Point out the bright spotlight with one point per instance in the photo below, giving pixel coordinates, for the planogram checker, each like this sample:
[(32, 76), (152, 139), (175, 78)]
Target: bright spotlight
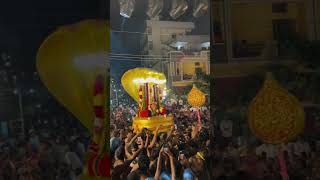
[(178, 8), (155, 8), (200, 7), (127, 7)]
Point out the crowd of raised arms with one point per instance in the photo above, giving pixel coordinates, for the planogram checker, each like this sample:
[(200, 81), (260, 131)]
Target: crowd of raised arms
[(189, 151), (181, 153)]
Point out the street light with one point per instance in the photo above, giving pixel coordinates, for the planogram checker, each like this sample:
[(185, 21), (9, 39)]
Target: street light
[(179, 7)]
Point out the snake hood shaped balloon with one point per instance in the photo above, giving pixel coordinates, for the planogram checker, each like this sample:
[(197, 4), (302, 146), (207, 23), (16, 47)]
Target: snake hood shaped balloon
[(72, 63)]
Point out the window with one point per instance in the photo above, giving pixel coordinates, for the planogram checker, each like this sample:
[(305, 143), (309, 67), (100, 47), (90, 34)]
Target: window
[(149, 30), (150, 44), (280, 7)]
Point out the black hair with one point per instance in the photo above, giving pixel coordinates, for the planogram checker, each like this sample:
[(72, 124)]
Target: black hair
[(154, 153), (133, 146), (143, 162), (119, 153), (134, 176)]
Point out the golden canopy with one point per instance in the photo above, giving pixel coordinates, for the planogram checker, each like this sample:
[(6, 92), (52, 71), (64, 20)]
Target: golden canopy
[(132, 79)]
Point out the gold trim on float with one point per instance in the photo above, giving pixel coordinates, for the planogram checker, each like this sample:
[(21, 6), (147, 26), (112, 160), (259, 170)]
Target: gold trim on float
[(152, 123)]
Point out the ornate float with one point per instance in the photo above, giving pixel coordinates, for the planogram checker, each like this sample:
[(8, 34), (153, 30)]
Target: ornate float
[(147, 88)]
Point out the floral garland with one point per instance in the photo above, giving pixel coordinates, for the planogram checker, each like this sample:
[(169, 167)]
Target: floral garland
[(140, 100), (99, 162), (149, 96), (161, 108)]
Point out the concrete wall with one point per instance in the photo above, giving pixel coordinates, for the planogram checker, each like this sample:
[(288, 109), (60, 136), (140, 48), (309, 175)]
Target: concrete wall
[(253, 21)]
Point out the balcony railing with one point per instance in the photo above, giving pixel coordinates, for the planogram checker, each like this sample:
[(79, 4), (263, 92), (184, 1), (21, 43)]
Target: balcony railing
[(268, 51)]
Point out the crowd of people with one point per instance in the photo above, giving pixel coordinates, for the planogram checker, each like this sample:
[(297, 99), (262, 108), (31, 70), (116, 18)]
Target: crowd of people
[(262, 161), (189, 151), (54, 154), (181, 153)]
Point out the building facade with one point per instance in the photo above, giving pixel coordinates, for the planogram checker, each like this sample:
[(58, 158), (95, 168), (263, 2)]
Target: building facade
[(256, 32), (250, 35), (176, 52)]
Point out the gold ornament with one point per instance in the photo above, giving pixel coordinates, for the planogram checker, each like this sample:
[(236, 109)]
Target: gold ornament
[(152, 123), (275, 116), (132, 79), (131, 82), (68, 63), (196, 98)]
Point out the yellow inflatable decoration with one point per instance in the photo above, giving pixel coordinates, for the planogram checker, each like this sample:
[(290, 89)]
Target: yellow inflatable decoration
[(72, 63), (196, 98), (147, 88), (275, 116)]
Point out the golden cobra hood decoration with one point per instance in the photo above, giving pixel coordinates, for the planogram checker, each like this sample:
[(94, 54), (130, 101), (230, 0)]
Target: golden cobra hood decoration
[(132, 82), (275, 116), (69, 62)]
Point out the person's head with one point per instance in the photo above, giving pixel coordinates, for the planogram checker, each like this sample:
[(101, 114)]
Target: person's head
[(197, 165), (154, 154), (122, 134), (143, 162), (183, 158), (115, 133), (135, 175), (119, 153), (163, 136), (133, 147)]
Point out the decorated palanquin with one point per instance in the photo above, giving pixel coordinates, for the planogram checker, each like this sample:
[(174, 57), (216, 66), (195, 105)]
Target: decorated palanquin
[(72, 63), (147, 88), (275, 115)]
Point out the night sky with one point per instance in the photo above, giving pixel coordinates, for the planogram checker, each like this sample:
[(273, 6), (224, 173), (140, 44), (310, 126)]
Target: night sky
[(24, 25)]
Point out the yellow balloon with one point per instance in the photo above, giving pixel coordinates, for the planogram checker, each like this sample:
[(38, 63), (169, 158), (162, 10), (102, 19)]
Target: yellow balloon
[(132, 79), (69, 61)]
